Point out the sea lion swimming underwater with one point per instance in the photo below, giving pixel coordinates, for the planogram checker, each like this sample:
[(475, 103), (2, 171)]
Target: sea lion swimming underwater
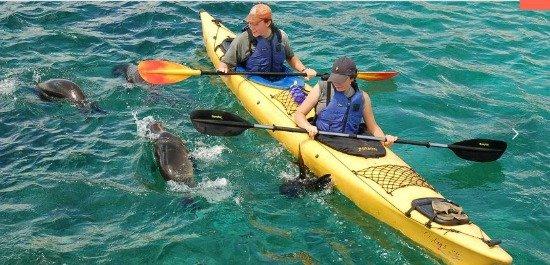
[(129, 72), (59, 89), (299, 186), (172, 156)]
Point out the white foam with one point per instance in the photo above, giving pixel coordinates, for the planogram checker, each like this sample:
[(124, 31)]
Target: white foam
[(143, 127), (8, 207), (274, 152), (208, 153), (288, 175), (128, 85), (213, 191), (217, 183), (178, 187), (238, 200), (7, 86), (291, 172), (36, 76)]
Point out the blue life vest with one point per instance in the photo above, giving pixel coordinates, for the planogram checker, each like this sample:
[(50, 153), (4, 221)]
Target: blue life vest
[(342, 114), (269, 55)]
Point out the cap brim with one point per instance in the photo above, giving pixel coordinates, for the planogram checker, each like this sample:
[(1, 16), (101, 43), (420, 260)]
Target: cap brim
[(337, 78)]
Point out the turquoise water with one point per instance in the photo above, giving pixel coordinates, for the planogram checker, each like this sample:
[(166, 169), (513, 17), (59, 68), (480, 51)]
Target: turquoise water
[(77, 188)]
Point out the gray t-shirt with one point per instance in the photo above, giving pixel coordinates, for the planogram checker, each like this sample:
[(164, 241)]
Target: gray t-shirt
[(239, 49)]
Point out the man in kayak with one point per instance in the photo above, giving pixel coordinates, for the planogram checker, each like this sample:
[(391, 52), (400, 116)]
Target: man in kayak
[(342, 108), (262, 47)]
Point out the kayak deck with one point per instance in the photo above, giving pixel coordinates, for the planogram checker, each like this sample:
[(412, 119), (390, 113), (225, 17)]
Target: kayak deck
[(382, 187)]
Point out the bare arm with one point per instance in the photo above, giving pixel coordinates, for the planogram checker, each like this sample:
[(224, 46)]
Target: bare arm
[(307, 105), (296, 63), (368, 116), (299, 66), (293, 59), (372, 126)]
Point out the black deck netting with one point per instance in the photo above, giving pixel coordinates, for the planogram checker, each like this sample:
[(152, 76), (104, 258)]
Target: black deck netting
[(393, 177), (286, 99)]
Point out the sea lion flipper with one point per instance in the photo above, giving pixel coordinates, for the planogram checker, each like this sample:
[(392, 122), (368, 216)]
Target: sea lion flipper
[(94, 107), (292, 188), (297, 187)]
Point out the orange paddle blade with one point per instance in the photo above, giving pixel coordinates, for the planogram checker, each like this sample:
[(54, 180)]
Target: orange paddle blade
[(160, 72), (376, 76)]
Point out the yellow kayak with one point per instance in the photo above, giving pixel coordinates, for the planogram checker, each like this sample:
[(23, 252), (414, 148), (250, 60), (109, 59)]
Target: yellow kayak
[(382, 187)]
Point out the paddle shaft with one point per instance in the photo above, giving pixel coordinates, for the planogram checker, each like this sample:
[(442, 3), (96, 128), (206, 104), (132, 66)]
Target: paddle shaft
[(369, 76), (258, 73), (353, 136)]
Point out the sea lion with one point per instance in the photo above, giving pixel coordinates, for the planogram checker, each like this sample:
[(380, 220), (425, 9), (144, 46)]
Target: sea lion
[(62, 89), (172, 156), (297, 187), (129, 72)]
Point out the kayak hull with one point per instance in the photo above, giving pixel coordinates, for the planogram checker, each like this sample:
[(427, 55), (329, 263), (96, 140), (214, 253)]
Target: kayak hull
[(381, 187)]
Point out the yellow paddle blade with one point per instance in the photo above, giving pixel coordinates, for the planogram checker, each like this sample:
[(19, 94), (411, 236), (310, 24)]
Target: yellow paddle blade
[(376, 76), (160, 72)]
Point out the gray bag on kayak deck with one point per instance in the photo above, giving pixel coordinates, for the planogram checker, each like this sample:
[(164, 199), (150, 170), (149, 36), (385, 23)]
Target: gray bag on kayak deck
[(224, 45), (439, 210)]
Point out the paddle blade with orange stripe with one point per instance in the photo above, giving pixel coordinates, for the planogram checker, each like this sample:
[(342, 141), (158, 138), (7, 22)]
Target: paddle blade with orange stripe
[(160, 72), (376, 76)]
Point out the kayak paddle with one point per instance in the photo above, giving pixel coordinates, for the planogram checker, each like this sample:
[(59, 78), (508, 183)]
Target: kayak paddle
[(160, 72), (221, 123)]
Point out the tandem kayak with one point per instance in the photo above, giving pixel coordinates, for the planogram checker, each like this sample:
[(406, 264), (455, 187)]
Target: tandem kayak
[(385, 188)]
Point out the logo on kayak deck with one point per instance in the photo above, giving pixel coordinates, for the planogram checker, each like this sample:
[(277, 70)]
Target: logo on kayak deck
[(484, 144), (366, 148), (217, 117)]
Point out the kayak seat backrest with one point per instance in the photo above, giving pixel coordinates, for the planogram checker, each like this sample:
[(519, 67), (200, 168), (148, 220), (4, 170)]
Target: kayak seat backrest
[(354, 147), (224, 46), (439, 210)]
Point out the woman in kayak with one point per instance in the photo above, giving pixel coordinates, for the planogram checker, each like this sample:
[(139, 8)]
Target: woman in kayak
[(342, 108), (262, 47)]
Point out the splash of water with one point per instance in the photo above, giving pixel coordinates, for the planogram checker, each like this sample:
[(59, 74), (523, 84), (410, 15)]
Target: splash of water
[(288, 174), (208, 153), (143, 127), (238, 200), (36, 76), (7, 86), (213, 191)]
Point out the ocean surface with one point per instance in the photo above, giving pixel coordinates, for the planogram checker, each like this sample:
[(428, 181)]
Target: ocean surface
[(83, 188)]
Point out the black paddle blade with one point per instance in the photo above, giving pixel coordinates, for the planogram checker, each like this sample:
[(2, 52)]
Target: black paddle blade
[(218, 123), (479, 150)]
